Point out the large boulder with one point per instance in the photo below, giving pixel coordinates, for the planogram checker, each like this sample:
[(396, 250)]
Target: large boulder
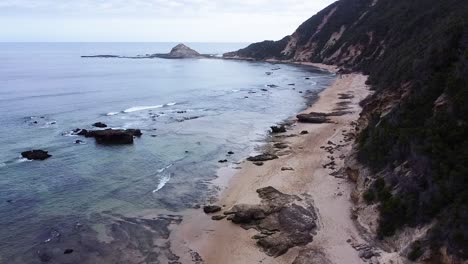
[(36, 154)]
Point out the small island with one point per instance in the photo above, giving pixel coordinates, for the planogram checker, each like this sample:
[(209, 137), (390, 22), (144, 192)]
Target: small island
[(180, 51)]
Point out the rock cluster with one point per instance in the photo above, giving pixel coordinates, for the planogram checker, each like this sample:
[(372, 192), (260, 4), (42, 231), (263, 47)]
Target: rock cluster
[(283, 221)]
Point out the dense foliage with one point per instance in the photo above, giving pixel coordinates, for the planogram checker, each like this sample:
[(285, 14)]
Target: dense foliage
[(428, 129), (262, 50)]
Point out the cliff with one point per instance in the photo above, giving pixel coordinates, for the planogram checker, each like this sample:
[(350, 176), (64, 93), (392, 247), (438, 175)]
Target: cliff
[(411, 155)]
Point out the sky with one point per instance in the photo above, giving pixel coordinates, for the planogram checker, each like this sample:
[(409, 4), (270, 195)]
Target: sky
[(153, 20)]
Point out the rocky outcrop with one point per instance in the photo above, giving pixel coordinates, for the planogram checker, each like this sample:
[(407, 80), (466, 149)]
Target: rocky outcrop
[(180, 51), (36, 154), (111, 136), (282, 220)]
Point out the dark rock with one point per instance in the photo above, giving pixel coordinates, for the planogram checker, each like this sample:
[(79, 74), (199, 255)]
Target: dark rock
[(278, 129), (78, 141), (272, 85), (287, 169), (99, 124), (223, 161), (209, 209), (258, 163), (218, 217), (262, 157), (304, 132), (36, 154), (68, 251), (312, 118), (112, 136), (291, 84), (265, 90), (230, 153)]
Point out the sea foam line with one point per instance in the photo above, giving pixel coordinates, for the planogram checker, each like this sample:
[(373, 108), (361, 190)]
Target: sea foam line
[(164, 179), (140, 108)]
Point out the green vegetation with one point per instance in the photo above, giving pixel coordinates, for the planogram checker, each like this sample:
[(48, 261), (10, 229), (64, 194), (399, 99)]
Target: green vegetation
[(416, 251)]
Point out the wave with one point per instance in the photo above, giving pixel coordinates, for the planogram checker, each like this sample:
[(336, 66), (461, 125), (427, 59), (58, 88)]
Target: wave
[(140, 108), (21, 160), (165, 168), (164, 178)]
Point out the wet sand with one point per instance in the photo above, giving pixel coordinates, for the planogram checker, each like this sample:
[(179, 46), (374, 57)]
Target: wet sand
[(198, 237)]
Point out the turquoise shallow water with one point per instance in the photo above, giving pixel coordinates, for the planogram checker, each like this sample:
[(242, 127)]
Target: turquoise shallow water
[(191, 113)]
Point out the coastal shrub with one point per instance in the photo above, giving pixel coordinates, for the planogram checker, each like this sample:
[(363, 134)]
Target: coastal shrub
[(369, 196), (416, 251)]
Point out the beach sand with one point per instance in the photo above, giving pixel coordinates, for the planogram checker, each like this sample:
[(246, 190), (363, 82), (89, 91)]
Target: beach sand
[(219, 242)]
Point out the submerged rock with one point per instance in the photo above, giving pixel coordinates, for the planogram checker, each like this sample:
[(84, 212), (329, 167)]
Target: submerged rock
[(36, 154)]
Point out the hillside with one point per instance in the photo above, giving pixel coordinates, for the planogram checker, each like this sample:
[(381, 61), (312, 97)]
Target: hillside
[(411, 158)]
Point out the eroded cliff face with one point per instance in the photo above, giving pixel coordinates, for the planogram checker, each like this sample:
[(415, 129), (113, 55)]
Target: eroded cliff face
[(410, 162)]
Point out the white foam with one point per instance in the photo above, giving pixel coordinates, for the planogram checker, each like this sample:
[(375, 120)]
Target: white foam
[(165, 179), (21, 159), (140, 108), (235, 90), (171, 104), (165, 168), (2, 164), (112, 113)]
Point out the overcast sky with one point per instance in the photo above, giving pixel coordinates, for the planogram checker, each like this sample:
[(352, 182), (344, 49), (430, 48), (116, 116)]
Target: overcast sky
[(153, 20)]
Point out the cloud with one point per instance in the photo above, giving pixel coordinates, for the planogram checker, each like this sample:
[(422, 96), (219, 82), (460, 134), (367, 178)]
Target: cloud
[(156, 20)]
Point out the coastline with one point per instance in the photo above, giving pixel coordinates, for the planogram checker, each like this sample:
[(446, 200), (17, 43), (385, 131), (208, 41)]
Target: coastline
[(225, 242)]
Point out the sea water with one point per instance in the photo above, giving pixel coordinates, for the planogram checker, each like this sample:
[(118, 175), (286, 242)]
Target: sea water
[(191, 113)]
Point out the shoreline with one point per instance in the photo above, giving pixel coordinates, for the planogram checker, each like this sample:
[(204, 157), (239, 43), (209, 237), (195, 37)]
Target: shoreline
[(225, 242)]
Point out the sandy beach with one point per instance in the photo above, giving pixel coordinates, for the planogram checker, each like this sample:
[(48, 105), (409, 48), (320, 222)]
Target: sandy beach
[(198, 237)]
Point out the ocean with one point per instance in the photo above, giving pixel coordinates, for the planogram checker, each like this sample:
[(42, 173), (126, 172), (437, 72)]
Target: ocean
[(191, 113)]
